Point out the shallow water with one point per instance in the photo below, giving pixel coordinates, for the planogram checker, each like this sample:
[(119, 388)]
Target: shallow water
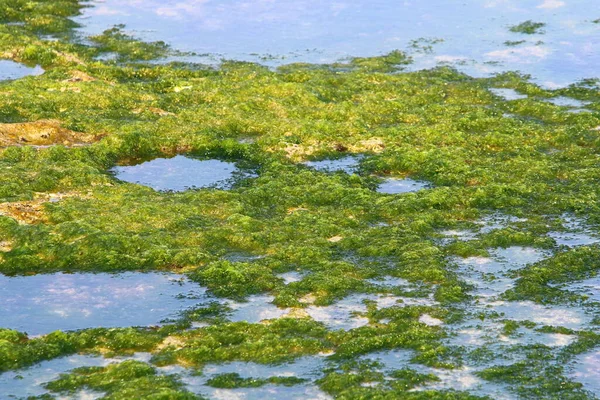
[(455, 379), (266, 392), (256, 309), (309, 368), (567, 317), (469, 34), (577, 233), (588, 287), (347, 313), (290, 277), (12, 70), (28, 381), (488, 274), (585, 370), (44, 303), (508, 94), (398, 186), (567, 102), (347, 164), (178, 173), (496, 221)]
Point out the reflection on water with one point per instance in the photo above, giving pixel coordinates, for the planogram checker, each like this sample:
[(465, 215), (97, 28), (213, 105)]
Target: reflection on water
[(585, 370), (397, 186), (256, 309), (567, 102), (12, 70), (29, 381), (347, 164), (178, 173), (43, 303), (472, 35), (308, 368), (508, 94)]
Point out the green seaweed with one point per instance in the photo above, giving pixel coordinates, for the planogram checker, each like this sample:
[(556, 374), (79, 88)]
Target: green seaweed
[(234, 380), (128, 379), (438, 125), (528, 27)]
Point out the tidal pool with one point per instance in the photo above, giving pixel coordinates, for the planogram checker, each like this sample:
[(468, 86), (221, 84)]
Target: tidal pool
[(257, 308), (308, 367), (588, 287), (449, 379), (179, 173), (585, 370), (347, 313), (508, 94), (577, 233), (347, 164), (41, 304), (398, 186), (290, 277), (567, 102), (28, 382), (12, 70)]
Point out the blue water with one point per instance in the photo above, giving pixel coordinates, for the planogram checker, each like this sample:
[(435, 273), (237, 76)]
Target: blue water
[(473, 31), (44, 303), (11, 70), (178, 173)]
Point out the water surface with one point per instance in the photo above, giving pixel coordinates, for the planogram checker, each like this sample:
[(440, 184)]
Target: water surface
[(398, 186), (12, 70), (347, 164), (178, 173), (472, 35), (44, 303)]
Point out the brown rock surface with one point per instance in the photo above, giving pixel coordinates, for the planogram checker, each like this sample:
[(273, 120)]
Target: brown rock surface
[(40, 133)]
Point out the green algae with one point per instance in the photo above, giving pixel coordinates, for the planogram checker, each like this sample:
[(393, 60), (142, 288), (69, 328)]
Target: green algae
[(17, 350), (234, 380), (528, 27), (126, 47), (128, 379), (438, 125), (535, 281), (514, 42)]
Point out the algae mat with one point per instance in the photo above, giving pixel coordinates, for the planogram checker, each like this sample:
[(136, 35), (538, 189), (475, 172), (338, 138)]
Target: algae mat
[(412, 218)]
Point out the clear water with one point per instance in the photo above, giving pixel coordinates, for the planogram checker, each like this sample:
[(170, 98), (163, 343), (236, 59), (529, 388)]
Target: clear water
[(290, 277), (29, 381), (455, 379), (508, 94), (178, 173), (256, 309), (309, 368), (348, 313), (44, 303), (12, 70), (567, 102), (474, 32), (348, 164), (398, 186), (585, 370)]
